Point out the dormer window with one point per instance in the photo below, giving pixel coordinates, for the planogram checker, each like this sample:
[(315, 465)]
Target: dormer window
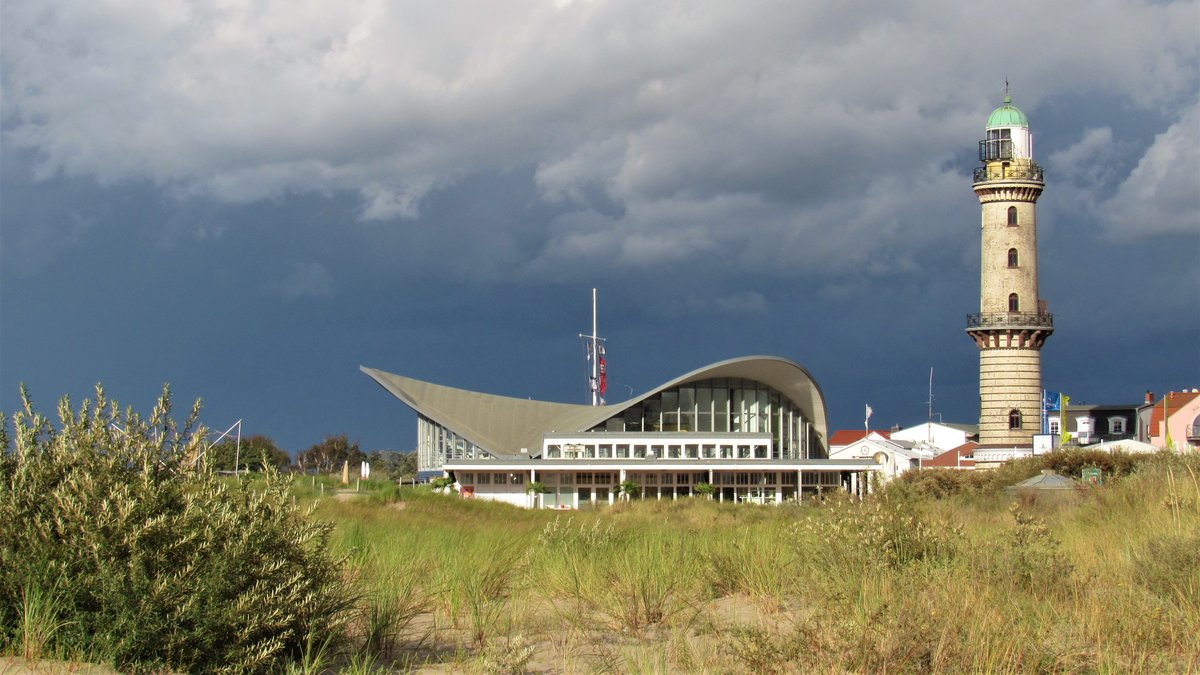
[(1012, 216), (1116, 426)]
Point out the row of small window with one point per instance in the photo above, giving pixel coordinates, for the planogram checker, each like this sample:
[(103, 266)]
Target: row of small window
[(1084, 425), (658, 478), (638, 451), (492, 479)]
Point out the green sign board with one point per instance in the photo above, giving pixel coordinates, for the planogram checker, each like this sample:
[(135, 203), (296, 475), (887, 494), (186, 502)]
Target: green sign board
[(1092, 475)]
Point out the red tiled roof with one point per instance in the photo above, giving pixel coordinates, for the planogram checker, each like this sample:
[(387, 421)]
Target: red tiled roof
[(848, 436), (1175, 400), (954, 458)]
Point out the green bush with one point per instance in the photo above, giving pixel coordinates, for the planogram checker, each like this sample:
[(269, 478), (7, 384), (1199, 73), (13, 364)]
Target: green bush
[(879, 533), (149, 564), (1030, 556), (943, 483)]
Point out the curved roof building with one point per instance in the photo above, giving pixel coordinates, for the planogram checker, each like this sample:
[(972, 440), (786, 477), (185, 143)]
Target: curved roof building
[(709, 425)]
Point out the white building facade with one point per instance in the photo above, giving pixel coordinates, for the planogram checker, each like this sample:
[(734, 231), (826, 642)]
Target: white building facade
[(941, 436), (752, 429)]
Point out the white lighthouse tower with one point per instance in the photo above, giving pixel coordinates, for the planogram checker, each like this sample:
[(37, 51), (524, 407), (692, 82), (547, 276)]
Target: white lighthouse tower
[(1012, 323)]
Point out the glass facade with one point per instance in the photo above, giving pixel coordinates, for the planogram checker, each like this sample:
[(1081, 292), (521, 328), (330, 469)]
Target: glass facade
[(721, 406), (437, 445)]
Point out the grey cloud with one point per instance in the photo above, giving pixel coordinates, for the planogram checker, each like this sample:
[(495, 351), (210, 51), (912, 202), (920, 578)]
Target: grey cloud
[(1161, 196), (705, 127), (306, 280)]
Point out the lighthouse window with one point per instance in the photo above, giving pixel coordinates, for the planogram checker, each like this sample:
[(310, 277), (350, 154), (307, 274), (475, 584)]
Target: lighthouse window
[(1012, 257), (1014, 419), (1012, 215), (1014, 303)]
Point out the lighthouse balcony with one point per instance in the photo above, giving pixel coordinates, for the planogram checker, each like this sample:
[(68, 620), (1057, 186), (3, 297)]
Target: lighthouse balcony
[(1010, 321), (1030, 171)]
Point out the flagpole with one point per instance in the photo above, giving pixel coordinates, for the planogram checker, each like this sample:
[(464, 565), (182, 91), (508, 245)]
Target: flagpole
[(595, 356), (594, 346), (1044, 427), (1166, 426)]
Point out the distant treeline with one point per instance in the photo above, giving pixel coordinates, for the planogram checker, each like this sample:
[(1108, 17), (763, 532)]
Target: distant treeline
[(251, 453)]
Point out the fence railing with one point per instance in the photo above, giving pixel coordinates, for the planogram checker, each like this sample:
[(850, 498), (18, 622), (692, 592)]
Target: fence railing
[(1010, 319), (1010, 172)]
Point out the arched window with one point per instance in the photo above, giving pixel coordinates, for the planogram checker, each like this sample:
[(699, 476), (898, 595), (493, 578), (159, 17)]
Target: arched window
[(1014, 303), (1014, 419), (1012, 257), (1012, 215)]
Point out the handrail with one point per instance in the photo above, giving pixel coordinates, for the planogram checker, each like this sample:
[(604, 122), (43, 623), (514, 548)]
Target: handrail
[(1000, 319), (1010, 172)]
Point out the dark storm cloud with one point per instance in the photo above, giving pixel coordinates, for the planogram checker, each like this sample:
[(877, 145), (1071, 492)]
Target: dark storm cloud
[(791, 167)]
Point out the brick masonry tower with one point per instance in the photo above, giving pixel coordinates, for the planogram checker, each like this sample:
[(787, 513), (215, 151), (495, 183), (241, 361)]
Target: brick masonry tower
[(1012, 323)]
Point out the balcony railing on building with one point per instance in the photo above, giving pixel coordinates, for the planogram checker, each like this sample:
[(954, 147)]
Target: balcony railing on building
[(1031, 172), (1010, 320)]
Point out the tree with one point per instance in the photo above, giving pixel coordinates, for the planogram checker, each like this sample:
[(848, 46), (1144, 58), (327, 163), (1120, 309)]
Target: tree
[(706, 489), (535, 488), (392, 464), (328, 455), (629, 488), (250, 455)]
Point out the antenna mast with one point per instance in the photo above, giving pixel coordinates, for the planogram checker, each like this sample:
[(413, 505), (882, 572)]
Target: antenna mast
[(597, 375), (929, 426)]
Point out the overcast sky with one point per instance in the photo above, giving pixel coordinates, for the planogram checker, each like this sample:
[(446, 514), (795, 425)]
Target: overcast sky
[(251, 199)]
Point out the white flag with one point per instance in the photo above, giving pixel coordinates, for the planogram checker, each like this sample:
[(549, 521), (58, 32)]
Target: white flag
[(867, 422)]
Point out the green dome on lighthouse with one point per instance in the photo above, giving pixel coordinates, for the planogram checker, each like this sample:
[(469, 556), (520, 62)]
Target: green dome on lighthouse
[(1007, 115)]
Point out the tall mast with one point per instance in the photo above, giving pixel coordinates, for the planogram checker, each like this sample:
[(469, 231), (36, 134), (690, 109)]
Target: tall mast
[(596, 353), (597, 378), (929, 426)]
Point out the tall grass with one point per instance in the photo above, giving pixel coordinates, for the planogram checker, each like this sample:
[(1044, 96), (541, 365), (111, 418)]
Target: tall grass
[(973, 580), (42, 609)]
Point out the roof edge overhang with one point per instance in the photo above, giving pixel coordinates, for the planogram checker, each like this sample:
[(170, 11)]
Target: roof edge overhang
[(786, 376)]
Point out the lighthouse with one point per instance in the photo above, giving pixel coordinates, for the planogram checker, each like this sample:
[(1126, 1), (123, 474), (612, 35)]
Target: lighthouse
[(1013, 322)]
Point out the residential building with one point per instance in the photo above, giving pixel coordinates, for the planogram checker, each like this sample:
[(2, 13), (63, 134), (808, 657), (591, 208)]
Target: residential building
[(1173, 421), (1087, 424), (893, 457), (961, 457), (943, 436)]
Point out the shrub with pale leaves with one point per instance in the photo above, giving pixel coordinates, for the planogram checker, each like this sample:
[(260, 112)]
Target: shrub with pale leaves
[(153, 565)]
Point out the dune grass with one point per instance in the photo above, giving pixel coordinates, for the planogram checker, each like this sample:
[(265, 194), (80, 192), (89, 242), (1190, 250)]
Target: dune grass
[(937, 574), (1105, 579)]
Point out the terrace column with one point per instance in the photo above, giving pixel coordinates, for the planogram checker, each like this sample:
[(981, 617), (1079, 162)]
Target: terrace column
[(854, 483)]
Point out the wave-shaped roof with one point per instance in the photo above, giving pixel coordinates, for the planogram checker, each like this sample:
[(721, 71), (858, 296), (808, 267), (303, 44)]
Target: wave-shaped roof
[(505, 425)]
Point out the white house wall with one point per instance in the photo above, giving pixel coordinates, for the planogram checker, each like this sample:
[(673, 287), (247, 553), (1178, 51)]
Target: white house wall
[(938, 435)]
